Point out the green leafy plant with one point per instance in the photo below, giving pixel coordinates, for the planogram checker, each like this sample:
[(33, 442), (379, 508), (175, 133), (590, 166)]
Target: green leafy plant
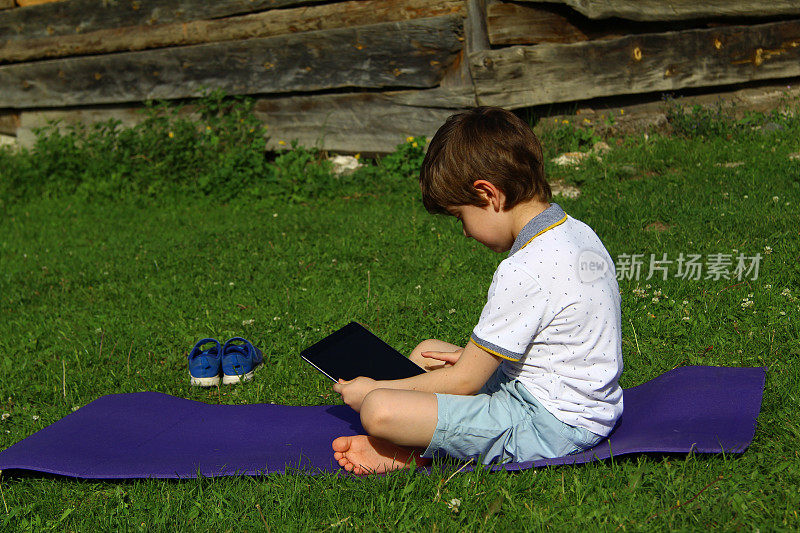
[(407, 158), (563, 135), (215, 147), (725, 119)]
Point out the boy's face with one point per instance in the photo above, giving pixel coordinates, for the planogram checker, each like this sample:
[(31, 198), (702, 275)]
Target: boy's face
[(486, 225)]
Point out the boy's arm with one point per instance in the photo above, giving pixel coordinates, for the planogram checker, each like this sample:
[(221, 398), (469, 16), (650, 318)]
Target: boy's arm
[(466, 376), (472, 370)]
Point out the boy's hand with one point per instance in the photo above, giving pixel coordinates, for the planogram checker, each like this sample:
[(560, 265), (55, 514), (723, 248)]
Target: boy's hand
[(354, 391), (449, 358)]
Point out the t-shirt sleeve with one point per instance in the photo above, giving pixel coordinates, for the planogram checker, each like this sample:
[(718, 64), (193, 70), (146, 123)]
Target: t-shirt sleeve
[(513, 314)]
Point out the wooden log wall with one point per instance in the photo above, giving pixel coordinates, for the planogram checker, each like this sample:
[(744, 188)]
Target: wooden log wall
[(362, 75)]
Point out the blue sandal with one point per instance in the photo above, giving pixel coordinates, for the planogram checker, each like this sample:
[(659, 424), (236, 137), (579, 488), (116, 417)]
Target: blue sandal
[(205, 365), (239, 360)]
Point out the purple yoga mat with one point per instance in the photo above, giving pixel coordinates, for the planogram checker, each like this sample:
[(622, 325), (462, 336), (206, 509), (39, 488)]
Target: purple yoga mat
[(153, 435)]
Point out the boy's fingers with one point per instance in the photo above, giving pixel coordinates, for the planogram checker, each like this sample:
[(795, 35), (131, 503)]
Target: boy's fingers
[(448, 357), (339, 385)]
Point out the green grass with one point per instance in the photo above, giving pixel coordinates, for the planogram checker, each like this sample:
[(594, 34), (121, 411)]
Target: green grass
[(103, 296)]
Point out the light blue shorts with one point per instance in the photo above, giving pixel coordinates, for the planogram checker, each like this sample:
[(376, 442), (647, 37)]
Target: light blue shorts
[(503, 423)]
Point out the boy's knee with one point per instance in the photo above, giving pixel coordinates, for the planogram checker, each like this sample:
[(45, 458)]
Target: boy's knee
[(428, 345), (376, 411)]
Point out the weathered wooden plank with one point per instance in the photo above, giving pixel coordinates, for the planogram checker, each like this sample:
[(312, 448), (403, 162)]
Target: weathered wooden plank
[(521, 76), (475, 26), (9, 122), (518, 24), (127, 115), (680, 9), (356, 122), (266, 24), (413, 53), (365, 122), (25, 3), (446, 96), (7, 4), (82, 16)]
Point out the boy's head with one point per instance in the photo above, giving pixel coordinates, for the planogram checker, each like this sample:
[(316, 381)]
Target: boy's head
[(485, 143)]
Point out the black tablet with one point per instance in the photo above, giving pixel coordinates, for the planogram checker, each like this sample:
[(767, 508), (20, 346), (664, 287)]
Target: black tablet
[(353, 351)]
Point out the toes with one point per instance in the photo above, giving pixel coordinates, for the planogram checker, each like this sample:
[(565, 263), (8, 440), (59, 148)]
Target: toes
[(338, 456), (341, 444)]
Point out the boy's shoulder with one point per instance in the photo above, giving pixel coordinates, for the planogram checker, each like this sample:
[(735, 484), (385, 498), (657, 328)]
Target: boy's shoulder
[(558, 246), (555, 258)]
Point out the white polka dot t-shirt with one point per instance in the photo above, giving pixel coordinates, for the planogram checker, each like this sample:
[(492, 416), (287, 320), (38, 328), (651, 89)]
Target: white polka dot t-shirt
[(553, 314)]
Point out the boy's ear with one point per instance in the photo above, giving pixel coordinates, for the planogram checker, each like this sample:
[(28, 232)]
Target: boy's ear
[(490, 193)]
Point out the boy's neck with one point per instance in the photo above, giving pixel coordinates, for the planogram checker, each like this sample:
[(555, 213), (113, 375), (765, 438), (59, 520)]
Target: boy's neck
[(524, 212)]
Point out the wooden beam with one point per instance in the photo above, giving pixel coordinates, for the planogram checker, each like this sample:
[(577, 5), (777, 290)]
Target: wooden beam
[(366, 122), (83, 16), (356, 122), (475, 27), (266, 24), (25, 3), (7, 4), (9, 122), (522, 76), (518, 24), (413, 53), (680, 9)]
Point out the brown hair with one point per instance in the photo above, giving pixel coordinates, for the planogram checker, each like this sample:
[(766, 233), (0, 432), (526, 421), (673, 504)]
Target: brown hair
[(486, 143)]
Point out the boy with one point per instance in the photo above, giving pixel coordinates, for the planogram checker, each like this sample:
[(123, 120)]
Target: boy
[(539, 375)]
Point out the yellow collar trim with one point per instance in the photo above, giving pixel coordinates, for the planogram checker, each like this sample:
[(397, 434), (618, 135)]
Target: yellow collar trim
[(551, 226)]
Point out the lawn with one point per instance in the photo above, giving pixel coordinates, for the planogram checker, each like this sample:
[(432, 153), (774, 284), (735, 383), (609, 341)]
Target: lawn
[(101, 295)]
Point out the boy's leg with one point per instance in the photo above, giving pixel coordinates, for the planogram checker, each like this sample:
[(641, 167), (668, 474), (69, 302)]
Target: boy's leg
[(431, 345), (400, 426)]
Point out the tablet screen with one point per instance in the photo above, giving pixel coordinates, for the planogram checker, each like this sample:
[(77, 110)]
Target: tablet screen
[(353, 351)]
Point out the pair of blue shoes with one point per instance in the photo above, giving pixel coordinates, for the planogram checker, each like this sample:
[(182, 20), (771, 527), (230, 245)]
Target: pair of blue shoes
[(231, 363)]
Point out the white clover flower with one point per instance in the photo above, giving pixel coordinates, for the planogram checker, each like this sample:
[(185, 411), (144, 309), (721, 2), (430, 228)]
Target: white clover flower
[(248, 322), (768, 250), (686, 319), (786, 292), (775, 199), (5, 416), (655, 300), (768, 286), (454, 505), (686, 302), (452, 311), (35, 417)]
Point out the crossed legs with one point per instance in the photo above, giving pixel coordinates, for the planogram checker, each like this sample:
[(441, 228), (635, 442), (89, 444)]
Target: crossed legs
[(399, 423)]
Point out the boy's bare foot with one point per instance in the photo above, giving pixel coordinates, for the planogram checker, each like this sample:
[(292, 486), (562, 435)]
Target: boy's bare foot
[(362, 454)]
